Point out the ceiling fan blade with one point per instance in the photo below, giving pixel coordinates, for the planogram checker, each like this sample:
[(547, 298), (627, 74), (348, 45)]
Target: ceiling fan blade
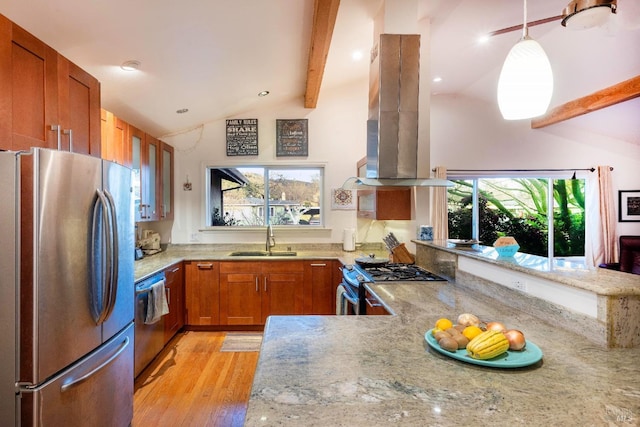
[(529, 24)]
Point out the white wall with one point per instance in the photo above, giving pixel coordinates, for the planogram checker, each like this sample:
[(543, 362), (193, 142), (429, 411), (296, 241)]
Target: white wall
[(337, 139), (465, 134), (470, 134)]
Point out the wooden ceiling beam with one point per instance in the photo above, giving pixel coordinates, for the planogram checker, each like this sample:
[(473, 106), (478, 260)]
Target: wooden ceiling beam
[(324, 20), (606, 97)]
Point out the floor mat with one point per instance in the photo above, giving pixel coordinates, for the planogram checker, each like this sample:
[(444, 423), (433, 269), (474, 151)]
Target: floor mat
[(242, 341)]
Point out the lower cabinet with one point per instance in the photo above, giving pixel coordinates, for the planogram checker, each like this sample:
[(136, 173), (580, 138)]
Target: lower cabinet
[(174, 288), (374, 306), (320, 286), (202, 292), (252, 291), (221, 293)]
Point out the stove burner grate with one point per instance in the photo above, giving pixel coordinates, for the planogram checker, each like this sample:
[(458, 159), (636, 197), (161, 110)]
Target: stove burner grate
[(401, 272)]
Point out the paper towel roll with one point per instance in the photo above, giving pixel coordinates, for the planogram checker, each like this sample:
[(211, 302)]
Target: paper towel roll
[(349, 239)]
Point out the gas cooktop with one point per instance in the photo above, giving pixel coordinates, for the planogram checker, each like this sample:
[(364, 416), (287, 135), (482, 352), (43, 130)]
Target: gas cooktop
[(400, 272)]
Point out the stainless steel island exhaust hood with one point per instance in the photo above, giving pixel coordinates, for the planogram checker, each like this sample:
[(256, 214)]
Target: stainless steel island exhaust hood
[(392, 125)]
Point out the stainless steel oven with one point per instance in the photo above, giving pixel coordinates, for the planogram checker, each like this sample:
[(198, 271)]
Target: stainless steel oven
[(149, 338)]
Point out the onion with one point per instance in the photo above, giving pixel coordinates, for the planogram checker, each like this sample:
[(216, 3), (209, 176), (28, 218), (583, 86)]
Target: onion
[(468, 319), (496, 326), (516, 339)]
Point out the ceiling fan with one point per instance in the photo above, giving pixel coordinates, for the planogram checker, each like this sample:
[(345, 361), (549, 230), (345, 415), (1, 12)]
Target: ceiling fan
[(583, 14)]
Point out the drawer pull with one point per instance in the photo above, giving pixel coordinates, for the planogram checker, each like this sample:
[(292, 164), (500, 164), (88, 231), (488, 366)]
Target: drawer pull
[(207, 266), (318, 265), (175, 269), (373, 302)]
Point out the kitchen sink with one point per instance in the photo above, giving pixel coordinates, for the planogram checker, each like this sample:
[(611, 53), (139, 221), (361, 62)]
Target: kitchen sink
[(263, 253)]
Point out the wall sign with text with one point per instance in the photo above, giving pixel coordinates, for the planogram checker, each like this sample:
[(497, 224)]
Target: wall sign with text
[(292, 137), (242, 137)]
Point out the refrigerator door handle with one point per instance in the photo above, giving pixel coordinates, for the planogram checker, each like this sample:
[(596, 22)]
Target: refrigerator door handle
[(97, 369), (113, 250), (100, 290)]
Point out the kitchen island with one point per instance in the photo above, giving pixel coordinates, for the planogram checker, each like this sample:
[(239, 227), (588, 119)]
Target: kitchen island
[(379, 371)]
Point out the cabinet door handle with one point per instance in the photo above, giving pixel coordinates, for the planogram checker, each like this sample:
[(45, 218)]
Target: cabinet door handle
[(265, 283), (207, 266), (257, 286), (70, 133), (57, 129), (318, 265), (168, 296)]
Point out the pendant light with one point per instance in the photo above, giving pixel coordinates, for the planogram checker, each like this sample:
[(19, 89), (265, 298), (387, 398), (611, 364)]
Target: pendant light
[(525, 85)]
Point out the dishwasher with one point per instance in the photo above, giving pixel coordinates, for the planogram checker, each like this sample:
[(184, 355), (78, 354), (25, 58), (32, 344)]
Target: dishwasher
[(149, 339)]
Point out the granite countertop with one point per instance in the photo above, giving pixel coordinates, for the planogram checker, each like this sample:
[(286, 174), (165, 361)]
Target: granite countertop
[(378, 370), (569, 272), (213, 252)]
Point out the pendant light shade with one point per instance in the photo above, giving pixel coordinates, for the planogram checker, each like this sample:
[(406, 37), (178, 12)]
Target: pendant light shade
[(525, 85), (526, 82)]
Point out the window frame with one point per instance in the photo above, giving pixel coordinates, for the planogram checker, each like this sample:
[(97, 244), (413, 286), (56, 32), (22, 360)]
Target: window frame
[(266, 207), (550, 176)]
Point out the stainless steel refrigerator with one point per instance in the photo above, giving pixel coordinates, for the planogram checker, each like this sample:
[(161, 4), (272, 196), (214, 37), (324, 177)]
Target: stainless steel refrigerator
[(67, 290)]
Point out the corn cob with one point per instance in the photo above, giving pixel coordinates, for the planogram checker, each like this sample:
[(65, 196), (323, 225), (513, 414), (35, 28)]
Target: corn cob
[(488, 345)]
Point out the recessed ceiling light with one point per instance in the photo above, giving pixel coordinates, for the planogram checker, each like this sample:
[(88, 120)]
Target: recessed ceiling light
[(131, 65), (182, 110), (437, 79), (263, 93), (483, 39), (357, 55)]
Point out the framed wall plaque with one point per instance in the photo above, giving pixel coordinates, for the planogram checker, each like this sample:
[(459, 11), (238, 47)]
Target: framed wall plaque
[(242, 137), (292, 138), (629, 206)]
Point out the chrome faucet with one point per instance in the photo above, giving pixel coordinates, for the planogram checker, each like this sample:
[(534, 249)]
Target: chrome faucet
[(271, 241)]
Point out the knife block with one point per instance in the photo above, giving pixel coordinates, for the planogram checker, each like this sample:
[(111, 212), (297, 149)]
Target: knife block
[(401, 254)]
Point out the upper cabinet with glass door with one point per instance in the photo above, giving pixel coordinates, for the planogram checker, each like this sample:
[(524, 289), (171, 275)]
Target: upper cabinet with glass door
[(166, 166)]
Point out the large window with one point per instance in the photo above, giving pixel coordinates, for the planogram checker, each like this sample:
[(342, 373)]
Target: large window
[(545, 215), (255, 196)]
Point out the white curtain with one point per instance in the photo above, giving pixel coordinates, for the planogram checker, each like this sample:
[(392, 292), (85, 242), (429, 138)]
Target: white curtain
[(439, 208), (601, 245)]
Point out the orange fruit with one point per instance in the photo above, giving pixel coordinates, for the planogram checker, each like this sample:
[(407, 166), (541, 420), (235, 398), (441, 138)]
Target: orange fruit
[(443, 324), (471, 332)]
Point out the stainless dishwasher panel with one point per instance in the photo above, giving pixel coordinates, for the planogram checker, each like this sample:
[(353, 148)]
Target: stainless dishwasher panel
[(149, 339)]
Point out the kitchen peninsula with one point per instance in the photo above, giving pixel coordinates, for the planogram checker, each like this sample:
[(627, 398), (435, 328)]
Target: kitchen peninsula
[(378, 370), (601, 304)]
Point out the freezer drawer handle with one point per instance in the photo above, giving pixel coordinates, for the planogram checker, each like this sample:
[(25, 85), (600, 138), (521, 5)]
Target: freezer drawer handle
[(88, 375)]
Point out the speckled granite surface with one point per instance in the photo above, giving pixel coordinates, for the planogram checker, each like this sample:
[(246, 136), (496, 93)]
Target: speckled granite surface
[(378, 371), (600, 281), (176, 253), (618, 294)]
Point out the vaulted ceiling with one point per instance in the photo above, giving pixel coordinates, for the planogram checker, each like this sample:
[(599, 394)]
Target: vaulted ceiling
[(213, 57)]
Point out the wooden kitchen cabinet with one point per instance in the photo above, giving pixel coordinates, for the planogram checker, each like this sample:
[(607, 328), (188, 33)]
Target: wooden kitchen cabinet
[(240, 296), (152, 169), (320, 286), (202, 292), (115, 146), (46, 100), (79, 109), (151, 178), (28, 90), (282, 288), (166, 181), (174, 288), (250, 291), (383, 203), (374, 306)]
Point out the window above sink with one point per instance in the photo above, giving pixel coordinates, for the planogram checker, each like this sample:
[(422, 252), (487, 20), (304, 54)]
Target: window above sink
[(254, 196)]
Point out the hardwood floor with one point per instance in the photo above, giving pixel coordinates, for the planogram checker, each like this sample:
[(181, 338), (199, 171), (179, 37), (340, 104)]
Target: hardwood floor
[(193, 383)]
